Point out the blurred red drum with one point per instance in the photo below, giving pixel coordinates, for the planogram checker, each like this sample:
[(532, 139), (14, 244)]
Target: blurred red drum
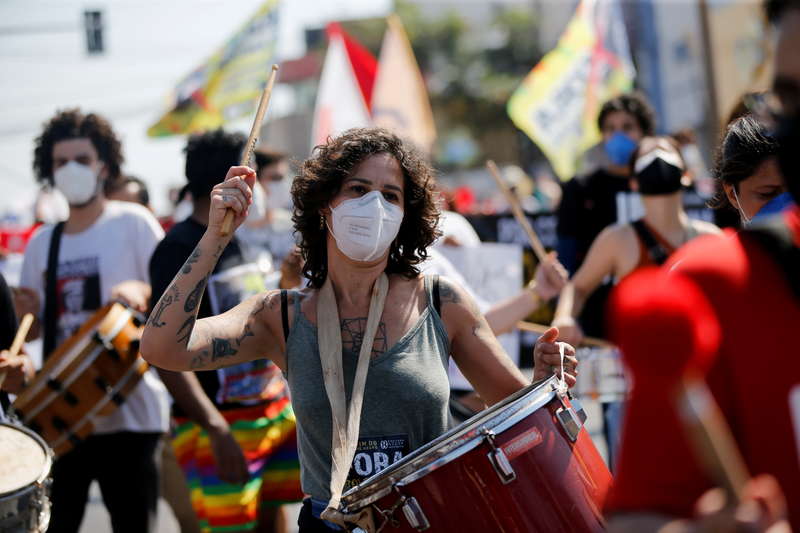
[(526, 464)]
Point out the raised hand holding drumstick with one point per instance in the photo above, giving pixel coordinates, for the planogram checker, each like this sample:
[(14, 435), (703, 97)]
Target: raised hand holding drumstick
[(227, 223), (10, 360)]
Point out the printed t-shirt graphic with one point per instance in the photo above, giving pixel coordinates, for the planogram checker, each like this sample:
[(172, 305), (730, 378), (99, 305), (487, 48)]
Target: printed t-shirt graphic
[(78, 288), (373, 455)]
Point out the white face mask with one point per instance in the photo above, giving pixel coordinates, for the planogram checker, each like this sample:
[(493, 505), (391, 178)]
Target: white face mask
[(279, 194), (77, 182), (365, 227)]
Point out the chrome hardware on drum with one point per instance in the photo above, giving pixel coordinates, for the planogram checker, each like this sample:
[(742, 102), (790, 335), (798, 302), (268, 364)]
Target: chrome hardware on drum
[(90, 374), (525, 464), (25, 462)]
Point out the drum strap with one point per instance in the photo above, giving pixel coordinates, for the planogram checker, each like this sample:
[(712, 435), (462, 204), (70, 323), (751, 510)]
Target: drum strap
[(51, 292), (346, 419), (285, 315)]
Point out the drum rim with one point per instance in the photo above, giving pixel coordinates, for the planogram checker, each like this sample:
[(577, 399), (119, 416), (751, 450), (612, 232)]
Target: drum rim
[(46, 467), (451, 445)]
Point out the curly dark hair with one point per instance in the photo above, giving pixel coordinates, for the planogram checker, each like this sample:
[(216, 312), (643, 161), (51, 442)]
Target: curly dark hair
[(209, 155), (634, 103), (321, 177), (73, 124), (746, 145)]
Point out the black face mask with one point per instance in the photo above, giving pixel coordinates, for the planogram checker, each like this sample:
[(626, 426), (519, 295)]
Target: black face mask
[(788, 136), (659, 177)]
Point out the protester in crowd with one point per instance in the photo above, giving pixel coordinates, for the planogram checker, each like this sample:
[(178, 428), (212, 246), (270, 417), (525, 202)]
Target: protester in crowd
[(128, 189), (269, 224), (747, 174), (658, 174), (102, 253), (592, 202), (18, 369), (235, 435), (353, 271), (745, 296)]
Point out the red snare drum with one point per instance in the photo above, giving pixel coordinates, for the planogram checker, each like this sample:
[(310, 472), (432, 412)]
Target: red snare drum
[(526, 464)]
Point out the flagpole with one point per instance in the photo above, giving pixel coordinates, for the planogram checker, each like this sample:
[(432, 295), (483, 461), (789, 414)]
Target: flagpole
[(708, 63), (227, 222)]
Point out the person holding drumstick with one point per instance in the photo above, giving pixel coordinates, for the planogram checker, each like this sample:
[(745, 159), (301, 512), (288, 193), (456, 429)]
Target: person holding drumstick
[(100, 253), (750, 286), (365, 214), (15, 369)]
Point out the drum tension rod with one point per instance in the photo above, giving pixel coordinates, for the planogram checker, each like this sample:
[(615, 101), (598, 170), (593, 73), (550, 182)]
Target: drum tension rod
[(498, 459)]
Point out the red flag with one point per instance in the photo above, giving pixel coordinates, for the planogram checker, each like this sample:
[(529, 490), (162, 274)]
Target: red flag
[(365, 66)]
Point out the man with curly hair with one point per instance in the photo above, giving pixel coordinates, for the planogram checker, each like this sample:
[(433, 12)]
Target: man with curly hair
[(365, 213), (100, 253)]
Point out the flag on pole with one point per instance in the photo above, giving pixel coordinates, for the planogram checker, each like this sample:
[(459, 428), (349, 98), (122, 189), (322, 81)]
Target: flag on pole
[(344, 87), (228, 84), (400, 100), (558, 102)]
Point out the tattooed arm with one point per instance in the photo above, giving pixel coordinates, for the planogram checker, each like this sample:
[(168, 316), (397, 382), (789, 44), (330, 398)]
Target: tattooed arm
[(174, 339), (474, 347)]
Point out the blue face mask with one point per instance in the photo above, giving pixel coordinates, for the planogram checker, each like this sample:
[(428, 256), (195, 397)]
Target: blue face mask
[(776, 205), (619, 148)]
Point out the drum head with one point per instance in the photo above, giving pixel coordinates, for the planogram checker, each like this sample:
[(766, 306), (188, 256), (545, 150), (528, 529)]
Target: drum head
[(24, 459)]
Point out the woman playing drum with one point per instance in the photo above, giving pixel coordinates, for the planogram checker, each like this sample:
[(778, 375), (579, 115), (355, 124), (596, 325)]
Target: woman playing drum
[(365, 214)]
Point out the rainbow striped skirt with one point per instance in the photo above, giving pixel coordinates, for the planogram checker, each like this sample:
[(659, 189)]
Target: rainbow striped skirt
[(266, 434)]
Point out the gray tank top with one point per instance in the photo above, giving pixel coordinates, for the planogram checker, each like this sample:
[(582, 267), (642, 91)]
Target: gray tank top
[(405, 399)]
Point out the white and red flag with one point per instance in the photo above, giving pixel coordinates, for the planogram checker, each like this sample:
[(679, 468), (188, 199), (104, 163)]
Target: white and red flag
[(345, 87)]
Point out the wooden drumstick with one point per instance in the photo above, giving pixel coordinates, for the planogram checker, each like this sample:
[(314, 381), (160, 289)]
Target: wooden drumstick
[(227, 222), (19, 339), (516, 209), (541, 328)]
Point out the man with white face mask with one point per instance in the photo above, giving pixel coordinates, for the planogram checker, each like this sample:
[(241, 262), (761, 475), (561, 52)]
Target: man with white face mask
[(99, 254), (269, 223)]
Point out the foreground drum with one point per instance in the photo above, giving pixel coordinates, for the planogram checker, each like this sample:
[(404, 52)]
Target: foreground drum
[(25, 462), (89, 375), (526, 465)]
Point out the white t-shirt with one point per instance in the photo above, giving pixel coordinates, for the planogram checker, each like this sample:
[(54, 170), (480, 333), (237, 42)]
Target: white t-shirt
[(454, 225), (116, 248)]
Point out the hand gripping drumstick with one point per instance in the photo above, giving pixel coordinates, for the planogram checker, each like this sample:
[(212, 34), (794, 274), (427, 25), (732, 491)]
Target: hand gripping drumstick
[(567, 295), (16, 345), (669, 338), (227, 222), (516, 209)]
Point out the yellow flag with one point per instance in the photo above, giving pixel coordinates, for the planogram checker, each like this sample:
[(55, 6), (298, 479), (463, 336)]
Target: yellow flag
[(228, 84), (558, 102), (399, 98)]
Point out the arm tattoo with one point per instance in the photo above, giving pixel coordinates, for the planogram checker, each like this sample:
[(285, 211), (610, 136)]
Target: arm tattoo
[(172, 295), (185, 330), (447, 294), (199, 361), (194, 297), (353, 336), (187, 266), (221, 348)]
